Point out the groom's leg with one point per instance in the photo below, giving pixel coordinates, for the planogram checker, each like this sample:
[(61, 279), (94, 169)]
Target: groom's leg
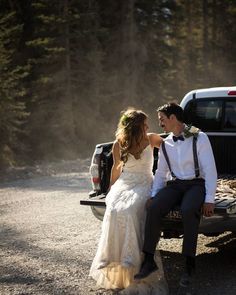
[(190, 210), (164, 201), (161, 205)]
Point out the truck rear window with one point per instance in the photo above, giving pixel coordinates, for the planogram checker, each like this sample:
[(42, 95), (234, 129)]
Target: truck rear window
[(205, 114), (212, 114), (230, 116)]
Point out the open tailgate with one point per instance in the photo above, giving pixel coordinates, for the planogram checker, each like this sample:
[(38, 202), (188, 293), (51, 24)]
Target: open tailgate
[(224, 205), (95, 201)]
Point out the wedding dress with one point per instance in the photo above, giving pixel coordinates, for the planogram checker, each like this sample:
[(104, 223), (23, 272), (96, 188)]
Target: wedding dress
[(119, 253)]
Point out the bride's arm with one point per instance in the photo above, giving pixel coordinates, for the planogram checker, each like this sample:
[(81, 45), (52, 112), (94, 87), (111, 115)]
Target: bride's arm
[(117, 163), (155, 140)]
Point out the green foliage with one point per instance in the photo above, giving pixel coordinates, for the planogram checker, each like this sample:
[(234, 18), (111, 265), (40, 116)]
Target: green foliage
[(12, 91), (67, 68)]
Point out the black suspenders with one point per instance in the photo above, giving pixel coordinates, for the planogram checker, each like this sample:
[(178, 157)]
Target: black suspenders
[(195, 158), (167, 159)]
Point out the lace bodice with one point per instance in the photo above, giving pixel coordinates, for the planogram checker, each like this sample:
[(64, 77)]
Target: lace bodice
[(142, 165)]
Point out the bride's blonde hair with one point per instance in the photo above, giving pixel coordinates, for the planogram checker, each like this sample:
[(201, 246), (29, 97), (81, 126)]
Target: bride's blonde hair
[(129, 132)]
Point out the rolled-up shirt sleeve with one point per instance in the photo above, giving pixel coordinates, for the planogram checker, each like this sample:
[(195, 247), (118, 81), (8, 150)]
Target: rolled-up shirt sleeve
[(160, 175), (207, 167)]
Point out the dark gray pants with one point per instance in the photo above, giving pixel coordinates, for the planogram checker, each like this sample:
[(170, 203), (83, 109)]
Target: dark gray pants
[(190, 195)]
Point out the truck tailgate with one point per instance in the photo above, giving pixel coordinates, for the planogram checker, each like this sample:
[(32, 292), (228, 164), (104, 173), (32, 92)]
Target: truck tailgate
[(225, 205), (225, 201), (95, 201)]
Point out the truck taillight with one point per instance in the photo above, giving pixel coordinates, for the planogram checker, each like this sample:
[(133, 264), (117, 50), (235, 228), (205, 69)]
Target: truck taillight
[(95, 179), (94, 169), (232, 92), (94, 172)]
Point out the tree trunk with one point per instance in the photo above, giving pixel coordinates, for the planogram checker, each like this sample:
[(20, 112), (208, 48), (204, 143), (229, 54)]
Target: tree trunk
[(205, 36), (129, 53), (191, 63), (67, 49), (68, 99)]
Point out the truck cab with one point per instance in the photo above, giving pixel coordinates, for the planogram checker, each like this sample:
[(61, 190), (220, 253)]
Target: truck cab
[(213, 110)]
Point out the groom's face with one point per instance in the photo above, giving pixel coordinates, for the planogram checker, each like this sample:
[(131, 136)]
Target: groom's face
[(165, 122)]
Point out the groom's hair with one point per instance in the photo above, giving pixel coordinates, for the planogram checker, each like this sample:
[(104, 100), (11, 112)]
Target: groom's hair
[(172, 108)]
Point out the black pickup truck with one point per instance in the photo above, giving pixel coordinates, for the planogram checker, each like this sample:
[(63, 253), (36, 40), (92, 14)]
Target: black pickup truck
[(213, 110)]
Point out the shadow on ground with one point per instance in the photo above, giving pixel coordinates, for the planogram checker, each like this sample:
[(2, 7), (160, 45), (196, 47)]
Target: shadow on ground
[(216, 271)]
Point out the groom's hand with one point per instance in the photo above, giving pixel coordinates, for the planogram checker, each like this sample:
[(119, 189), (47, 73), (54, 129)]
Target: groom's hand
[(208, 209), (148, 203)]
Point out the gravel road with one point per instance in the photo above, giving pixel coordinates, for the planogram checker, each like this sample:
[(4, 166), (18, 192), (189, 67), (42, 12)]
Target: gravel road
[(47, 242)]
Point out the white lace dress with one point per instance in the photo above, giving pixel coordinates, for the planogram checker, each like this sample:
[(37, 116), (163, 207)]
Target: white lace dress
[(119, 253)]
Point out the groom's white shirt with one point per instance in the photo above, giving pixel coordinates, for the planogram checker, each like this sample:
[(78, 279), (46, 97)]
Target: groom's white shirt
[(180, 155)]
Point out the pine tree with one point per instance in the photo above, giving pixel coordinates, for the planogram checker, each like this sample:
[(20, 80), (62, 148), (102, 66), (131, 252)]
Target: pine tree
[(48, 81), (12, 90)]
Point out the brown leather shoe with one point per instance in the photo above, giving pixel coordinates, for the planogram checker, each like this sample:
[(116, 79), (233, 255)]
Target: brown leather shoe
[(185, 280), (187, 277), (147, 268)]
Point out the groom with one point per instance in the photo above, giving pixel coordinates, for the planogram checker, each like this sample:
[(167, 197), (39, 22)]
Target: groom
[(186, 176)]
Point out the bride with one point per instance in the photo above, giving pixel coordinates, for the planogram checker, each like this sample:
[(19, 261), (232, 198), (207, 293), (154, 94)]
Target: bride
[(119, 253)]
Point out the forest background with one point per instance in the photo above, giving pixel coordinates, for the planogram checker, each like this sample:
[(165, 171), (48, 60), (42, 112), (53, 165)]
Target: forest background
[(68, 68)]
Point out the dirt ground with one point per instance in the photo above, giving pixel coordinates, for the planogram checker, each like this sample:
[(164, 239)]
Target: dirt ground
[(48, 240)]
